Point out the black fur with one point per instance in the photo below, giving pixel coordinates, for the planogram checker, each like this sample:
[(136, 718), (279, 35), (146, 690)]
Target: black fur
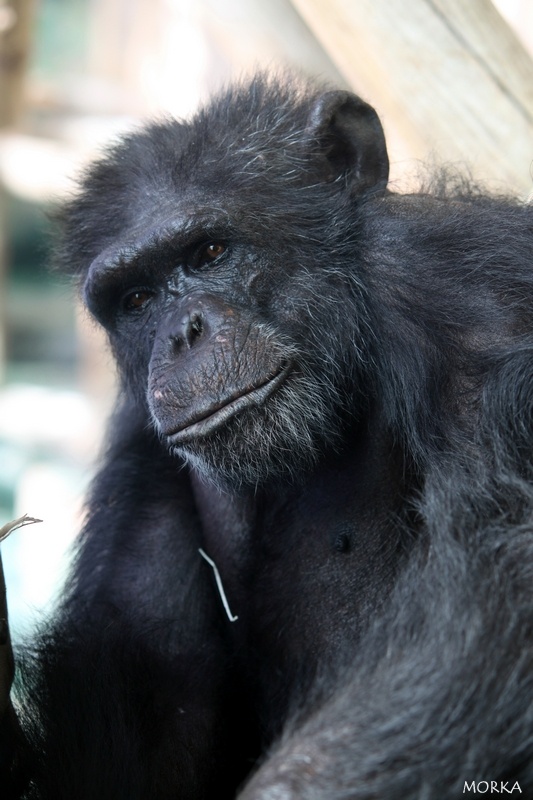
[(327, 387)]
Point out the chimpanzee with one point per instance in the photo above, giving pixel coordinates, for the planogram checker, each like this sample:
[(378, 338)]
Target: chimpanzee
[(307, 566)]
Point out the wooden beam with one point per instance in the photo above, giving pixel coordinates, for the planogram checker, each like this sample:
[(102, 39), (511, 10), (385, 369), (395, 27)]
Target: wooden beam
[(448, 77), (16, 17)]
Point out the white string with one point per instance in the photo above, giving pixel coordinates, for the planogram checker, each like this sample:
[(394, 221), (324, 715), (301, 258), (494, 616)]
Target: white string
[(219, 585)]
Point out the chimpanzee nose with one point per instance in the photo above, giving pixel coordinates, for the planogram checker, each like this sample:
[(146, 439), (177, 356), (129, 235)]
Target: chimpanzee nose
[(190, 328), (198, 318)]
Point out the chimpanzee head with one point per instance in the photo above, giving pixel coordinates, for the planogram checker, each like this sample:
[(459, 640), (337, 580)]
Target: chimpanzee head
[(223, 257)]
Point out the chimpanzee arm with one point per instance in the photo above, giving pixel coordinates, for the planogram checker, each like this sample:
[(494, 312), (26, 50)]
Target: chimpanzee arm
[(132, 685), (435, 698)]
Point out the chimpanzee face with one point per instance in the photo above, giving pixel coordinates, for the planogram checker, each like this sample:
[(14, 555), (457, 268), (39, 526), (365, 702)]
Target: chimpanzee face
[(227, 339), (229, 286)]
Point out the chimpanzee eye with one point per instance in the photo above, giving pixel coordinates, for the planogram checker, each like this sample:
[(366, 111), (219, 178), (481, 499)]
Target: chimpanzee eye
[(136, 299), (210, 252)]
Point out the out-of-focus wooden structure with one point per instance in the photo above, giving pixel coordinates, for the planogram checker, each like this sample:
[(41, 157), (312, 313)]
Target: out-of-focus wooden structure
[(16, 18), (448, 76)]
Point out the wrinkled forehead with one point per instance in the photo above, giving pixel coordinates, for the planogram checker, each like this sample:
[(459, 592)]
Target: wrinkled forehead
[(182, 157), (201, 184)]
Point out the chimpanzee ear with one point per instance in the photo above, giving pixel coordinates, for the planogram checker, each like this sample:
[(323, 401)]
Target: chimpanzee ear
[(350, 141)]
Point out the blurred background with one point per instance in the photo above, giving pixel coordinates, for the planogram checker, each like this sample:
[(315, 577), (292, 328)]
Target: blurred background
[(452, 80)]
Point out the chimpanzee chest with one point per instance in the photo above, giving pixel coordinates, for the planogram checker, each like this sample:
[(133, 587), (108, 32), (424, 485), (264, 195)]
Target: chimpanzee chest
[(318, 576), (304, 570)]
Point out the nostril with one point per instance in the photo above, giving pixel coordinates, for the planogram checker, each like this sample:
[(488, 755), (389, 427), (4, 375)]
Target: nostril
[(196, 324), (193, 329)]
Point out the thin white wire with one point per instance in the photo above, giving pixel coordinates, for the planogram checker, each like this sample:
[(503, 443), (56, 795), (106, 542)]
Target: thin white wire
[(219, 585)]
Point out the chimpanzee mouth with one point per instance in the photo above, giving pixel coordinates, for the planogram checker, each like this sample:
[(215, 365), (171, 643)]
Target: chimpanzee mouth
[(215, 417)]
